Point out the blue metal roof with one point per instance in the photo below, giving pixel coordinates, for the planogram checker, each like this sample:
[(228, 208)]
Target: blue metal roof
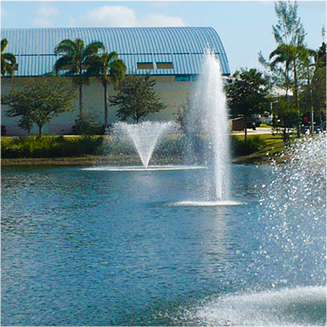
[(182, 46)]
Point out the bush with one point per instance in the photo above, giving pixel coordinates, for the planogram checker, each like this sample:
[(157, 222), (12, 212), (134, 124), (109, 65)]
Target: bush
[(50, 146), (3, 130), (60, 146), (242, 148), (86, 128), (87, 125)]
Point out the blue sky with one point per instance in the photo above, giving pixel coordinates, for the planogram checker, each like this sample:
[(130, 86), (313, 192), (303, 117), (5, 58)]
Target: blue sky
[(245, 27)]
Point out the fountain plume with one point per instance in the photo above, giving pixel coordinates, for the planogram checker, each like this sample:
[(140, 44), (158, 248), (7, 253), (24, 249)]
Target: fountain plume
[(208, 120), (145, 136)]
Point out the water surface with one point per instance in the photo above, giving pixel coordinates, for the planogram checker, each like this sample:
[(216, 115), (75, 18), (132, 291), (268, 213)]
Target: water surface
[(97, 248)]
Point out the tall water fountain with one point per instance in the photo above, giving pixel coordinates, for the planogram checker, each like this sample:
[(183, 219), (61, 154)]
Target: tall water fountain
[(208, 122)]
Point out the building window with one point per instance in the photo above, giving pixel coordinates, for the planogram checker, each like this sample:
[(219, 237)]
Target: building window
[(145, 65), (182, 78), (165, 65)]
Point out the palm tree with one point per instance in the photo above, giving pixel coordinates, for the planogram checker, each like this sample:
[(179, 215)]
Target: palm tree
[(110, 69), (293, 57), (289, 35), (8, 60), (76, 58), (283, 54)]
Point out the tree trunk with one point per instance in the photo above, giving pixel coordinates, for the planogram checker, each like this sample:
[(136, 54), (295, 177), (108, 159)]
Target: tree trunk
[(81, 102), (296, 100), (105, 106), (287, 79), (245, 131), (310, 103), (40, 130)]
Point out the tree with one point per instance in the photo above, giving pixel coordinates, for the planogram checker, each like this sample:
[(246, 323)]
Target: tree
[(76, 57), (319, 91), (321, 56), (247, 93), (8, 60), (38, 100), (183, 113), (136, 98), (284, 116), (289, 35), (111, 70), (306, 70)]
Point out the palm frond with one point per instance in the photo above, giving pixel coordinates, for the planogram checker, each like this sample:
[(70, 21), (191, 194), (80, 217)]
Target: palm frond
[(4, 43), (62, 62), (9, 57), (117, 70), (66, 46), (93, 48)]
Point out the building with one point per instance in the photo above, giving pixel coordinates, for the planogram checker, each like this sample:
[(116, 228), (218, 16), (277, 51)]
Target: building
[(172, 55)]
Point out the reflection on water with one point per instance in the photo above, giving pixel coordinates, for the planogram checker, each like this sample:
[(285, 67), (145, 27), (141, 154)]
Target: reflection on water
[(104, 248), (142, 168), (286, 307)]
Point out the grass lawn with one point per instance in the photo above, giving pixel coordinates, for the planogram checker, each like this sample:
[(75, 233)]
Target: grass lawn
[(272, 150)]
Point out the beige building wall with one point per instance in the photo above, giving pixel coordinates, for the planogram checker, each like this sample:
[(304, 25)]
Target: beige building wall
[(173, 94)]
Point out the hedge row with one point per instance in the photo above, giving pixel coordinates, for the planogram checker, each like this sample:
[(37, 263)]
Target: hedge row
[(50, 146), (60, 146)]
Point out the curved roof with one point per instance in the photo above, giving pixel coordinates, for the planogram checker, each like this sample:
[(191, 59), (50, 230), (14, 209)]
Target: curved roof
[(182, 46)]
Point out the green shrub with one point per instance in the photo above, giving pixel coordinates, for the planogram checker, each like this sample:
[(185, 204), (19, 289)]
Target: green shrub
[(50, 146), (242, 148), (75, 146), (86, 128), (3, 130)]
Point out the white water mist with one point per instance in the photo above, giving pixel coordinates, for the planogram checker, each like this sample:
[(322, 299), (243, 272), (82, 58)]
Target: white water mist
[(208, 121), (145, 136)]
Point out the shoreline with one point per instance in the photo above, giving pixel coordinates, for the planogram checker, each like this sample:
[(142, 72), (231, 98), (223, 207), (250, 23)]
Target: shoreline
[(116, 160), (70, 161), (271, 151)]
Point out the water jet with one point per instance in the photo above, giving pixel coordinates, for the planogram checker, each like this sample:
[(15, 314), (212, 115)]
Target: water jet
[(208, 120)]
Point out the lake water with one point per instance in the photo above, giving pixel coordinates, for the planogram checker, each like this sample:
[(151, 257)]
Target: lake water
[(98, 248)]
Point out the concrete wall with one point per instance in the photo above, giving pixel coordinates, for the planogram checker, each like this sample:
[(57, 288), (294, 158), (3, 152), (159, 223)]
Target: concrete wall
[(170, 92)]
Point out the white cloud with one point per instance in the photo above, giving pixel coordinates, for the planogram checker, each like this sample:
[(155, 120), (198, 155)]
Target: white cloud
[(113, 16), (72, 22), (312, 5), (42, 22), (160, 4), (121, 16), (48, 11), (153, 20), (316, 5), (44, 14), (267, 2), (3, 12)]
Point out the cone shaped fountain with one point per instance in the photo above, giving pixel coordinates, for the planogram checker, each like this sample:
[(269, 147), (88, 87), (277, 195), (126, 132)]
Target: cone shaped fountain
[(145, 136)]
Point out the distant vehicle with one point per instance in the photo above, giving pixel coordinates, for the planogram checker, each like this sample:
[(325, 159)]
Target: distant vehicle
[(305, 130), (267, 121), (318, 130), (251, 124)]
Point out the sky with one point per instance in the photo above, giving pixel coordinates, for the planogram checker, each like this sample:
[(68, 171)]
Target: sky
[(245, 27)]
